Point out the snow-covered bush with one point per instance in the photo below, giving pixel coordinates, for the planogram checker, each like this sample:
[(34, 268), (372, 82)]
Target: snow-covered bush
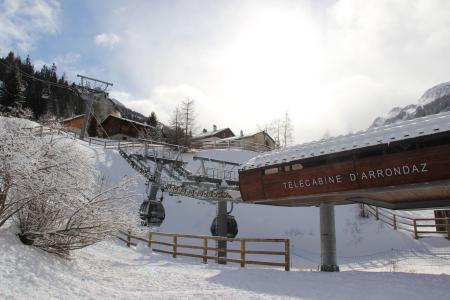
[(55, 194)]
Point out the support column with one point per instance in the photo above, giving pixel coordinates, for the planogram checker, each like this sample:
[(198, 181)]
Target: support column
[(221, 230), (327, 239), (88, 100), (155, 185)]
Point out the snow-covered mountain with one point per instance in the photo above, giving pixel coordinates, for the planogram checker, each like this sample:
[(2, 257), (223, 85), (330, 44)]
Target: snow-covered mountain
[(433, 101)]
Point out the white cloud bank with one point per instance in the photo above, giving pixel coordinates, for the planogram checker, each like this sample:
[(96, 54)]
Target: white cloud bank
[(109, 40), (22, 22), (334, 65)]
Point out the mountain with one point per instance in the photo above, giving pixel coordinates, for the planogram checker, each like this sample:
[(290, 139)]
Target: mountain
[(125, 112), (433, 101)]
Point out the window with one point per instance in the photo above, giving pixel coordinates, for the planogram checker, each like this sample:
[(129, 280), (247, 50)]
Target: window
[(271, 171), (297, 167)]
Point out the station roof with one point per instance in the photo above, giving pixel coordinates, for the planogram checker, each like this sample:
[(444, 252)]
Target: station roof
[(373, 136)]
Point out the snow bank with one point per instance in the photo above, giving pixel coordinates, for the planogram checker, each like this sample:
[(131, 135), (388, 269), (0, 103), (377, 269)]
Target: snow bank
[(109, 270), (10, 122)]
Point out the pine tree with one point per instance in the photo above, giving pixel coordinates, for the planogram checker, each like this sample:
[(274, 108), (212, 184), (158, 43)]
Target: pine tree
[(152, 120), (11, 90)]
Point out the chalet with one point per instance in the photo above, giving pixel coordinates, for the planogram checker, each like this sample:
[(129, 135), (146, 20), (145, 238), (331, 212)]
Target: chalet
[(210, 137), (122, 129), (260, 141), (75, 124)]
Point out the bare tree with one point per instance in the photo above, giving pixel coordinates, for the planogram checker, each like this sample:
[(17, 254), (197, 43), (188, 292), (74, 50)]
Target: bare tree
[(188, 119), (52, 189), (71, 218), (176, 134), (286, 130), (281, 130)]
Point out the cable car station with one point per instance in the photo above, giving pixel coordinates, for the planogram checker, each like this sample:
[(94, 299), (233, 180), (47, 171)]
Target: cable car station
[(405, 165)]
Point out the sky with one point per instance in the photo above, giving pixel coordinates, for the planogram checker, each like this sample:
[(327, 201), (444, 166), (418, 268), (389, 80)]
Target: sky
[(333, 65)]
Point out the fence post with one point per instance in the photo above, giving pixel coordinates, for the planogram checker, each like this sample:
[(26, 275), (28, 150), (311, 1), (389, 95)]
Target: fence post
[(118, 145), (174, 255), (90, 141), (395, 221), (42, 131), (129, 238), (105, 144), (415, 229), (287, 256), (242, 253), (205, 250), (150, 239), (376, 213)]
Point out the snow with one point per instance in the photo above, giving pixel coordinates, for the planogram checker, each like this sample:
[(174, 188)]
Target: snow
[(111, 270), (373, 136), (434, 93), (10, 122)]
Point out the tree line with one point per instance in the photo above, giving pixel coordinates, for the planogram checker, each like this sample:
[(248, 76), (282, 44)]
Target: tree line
[(40, 91)]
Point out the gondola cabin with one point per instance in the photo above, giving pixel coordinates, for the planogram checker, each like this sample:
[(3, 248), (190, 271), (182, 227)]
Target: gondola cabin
[(152, 213), (398, 166)]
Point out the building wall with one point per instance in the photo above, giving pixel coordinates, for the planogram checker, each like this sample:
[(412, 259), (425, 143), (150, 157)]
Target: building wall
[(118, 129), (259, 138), (74, 123)]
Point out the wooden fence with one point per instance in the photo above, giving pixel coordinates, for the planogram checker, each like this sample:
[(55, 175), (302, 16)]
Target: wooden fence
[(175, 244), (417, 226), (231, 145)]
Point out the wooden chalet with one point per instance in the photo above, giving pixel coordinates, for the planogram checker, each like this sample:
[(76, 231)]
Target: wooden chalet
[(75, 124), (397, 166), (213, 136), (260, 139), (123, 129)]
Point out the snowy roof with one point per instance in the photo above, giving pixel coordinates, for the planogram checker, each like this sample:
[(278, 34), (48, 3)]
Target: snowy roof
[(374, 136), (239, 137), (211, 133), (73, 118), (127, 120)]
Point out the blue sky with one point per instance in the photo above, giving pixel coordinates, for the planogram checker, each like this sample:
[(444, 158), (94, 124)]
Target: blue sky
[(334, 65)]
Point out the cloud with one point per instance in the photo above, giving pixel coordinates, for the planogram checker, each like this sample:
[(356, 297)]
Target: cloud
[(109, 40), (334, 65), (164, 99), (23, 22)]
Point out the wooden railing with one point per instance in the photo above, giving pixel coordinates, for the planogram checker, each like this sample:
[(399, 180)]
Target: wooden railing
[(414, 225), (174, 245), (231, 145)]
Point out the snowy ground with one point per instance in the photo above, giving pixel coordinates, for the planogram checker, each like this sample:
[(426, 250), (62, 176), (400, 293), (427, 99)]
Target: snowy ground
[(110, 270)]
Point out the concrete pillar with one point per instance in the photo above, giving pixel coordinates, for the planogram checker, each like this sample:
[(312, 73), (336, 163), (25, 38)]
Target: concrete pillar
[(221, 230), (327, 239)]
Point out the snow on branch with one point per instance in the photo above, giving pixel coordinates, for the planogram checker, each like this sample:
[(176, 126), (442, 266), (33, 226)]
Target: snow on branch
[(51, 188)]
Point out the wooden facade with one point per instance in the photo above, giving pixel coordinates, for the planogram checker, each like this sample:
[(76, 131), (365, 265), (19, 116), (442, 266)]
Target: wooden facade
[(260, 138), (216, 135), (123, 129), (75, 124), (405, 174)]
